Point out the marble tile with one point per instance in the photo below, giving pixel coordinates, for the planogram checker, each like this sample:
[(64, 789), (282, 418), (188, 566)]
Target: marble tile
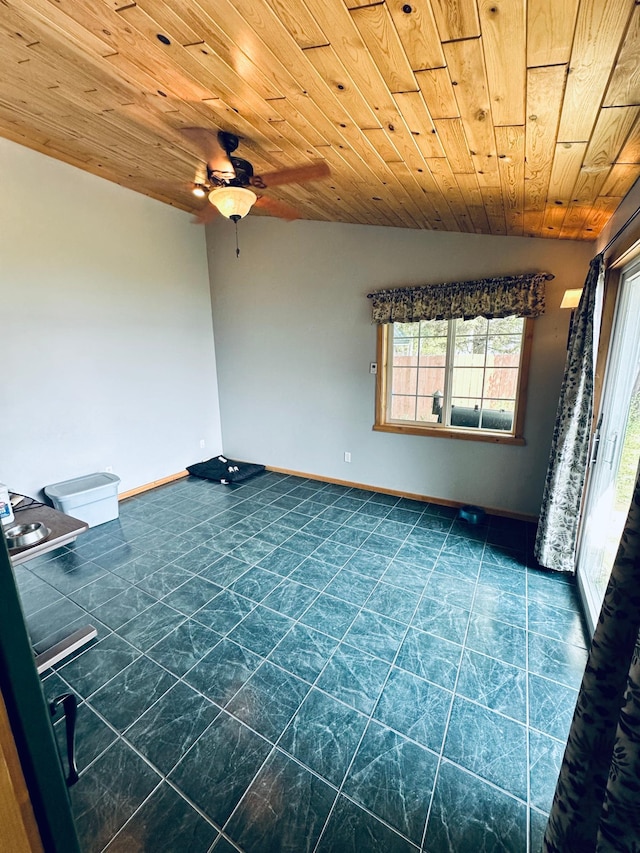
[(275, 534), (552, 588), (358, 521), (223, 671), (508, 558), (149, 627), (67, 577), (290, 598), (324, 735), (375, 510), (393, 602), (495, 684), (93, 736), (551, 706), (468, 814), (165, 580), (538, 825), (407, 516), (304, 543), (165, 823), (183, 647), (438, 524), (330, 615), (559, 661), (350, 586), (108, 793), (252, 551), (369, 564), (38, 595), (507, 579), (415, 708), (354, 537), (284, 809), (192, 595), (352, 830), (94, 594), (443, 620), (448, 590), (123, 607), (261, 630), (452, 566), (321, 527), (268, 700), (282, 561), (488, 744), (304, 652), (119, 557), (406, 576), (255, 584), (545, 758), (166, 730), (376, 634), (497, 604), (394, 529), (225, 570), (123, 699), (228, 755), (393, 778), (98, 664), (461, 546), (430, 657), (224, 612), (334, 553), (497, 639), (354, 677), (384, 546), (314, 573), (558, 623)]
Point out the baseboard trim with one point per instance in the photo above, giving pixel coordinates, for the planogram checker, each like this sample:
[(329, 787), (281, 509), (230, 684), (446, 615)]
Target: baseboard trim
[(503, 513), (148, 486)]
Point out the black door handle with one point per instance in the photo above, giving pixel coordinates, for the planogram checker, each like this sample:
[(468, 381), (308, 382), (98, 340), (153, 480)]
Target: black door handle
[(70, 707)]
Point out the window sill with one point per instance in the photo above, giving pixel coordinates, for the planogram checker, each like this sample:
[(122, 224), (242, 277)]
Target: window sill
[(466, 435)]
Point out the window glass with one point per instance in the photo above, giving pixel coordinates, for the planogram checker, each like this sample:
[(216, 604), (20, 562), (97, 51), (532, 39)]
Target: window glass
[(455, 374)]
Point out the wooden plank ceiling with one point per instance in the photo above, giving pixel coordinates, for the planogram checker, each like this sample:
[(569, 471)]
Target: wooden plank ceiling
[(516, 117)]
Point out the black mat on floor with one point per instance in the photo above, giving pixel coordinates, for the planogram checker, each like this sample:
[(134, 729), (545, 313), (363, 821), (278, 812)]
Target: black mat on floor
[(224, 470)]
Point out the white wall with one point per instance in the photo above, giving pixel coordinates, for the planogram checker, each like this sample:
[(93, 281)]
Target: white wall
[(294, 340), (106, 339)]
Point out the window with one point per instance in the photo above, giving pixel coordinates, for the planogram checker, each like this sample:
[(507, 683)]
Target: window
[(455, 378)]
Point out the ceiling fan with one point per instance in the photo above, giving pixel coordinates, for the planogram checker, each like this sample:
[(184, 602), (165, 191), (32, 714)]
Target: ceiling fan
[(232, 186)]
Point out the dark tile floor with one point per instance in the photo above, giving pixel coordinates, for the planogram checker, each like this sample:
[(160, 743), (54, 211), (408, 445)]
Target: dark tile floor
[(290, 665)]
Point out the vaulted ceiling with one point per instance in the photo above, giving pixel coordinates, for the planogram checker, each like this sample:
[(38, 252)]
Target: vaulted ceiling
[(516, 117)]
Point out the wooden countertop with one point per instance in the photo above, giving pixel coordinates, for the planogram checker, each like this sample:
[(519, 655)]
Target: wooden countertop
[(64, 528)]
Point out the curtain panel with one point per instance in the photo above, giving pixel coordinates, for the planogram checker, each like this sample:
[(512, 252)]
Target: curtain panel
[(557, 533), (520, 295), (596, 806)]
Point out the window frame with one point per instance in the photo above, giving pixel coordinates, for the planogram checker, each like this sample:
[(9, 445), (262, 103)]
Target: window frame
[(382, 424)]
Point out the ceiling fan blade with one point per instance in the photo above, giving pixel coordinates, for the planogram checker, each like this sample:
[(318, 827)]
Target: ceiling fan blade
[(211, 148), (277, 208), (313, 172)]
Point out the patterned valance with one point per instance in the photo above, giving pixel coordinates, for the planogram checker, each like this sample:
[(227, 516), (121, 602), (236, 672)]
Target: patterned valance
[(520, 295)]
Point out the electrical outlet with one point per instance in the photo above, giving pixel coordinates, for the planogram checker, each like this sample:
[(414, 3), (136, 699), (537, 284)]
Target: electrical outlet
[(109, 469), (202, 444), (347, 456)]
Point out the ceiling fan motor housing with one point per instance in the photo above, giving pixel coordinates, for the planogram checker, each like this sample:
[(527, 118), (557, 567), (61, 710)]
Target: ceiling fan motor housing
[(243, 170)]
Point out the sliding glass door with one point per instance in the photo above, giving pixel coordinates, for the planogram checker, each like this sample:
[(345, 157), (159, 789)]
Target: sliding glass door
[(616, 449)]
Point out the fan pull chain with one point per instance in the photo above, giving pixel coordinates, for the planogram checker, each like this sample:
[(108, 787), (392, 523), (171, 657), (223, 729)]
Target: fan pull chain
[(237, 247)]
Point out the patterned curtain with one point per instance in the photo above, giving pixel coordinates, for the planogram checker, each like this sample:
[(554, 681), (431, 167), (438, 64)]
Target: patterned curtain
[(596, 806), (520, 295), (559, 514)]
